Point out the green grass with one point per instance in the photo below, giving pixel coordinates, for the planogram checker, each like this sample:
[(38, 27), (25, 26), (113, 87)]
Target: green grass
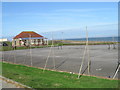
[(8, 48), (36, 78), (99, 43)]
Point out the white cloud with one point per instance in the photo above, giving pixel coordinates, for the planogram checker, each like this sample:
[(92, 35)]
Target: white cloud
[(84, 10)]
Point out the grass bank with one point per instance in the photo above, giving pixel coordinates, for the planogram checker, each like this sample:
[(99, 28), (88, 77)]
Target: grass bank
[(8, 48), (36, 78)]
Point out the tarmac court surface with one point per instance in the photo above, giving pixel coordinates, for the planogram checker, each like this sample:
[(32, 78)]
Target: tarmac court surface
[(104, 61)]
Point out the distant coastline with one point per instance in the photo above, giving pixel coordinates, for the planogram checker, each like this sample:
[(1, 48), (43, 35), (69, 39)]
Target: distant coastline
[(107, 39)]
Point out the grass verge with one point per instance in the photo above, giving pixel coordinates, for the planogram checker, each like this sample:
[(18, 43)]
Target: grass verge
[(36, 78), (8, 48)]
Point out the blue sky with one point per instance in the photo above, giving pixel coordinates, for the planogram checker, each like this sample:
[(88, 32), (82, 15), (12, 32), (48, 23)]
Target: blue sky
[(100, 17)]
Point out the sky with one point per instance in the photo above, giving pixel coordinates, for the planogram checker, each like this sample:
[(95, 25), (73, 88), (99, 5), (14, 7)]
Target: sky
[(101, 18)]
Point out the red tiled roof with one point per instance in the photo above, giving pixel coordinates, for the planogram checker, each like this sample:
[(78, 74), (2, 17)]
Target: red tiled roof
[(27, 34)]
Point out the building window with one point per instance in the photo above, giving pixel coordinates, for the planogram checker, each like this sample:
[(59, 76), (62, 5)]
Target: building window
[(15, 43)]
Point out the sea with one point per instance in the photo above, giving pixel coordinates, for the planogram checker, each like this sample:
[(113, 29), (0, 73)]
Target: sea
[(109, 39)]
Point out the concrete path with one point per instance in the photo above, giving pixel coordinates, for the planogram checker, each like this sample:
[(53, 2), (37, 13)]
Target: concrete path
[(5, 84), (8, 83)]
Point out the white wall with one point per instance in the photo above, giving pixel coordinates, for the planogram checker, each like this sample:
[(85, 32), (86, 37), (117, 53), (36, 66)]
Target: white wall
[(3, 40)]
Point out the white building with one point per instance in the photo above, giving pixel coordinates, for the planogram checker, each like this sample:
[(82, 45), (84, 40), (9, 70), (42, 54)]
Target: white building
[(27, 38), (3, 40)]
